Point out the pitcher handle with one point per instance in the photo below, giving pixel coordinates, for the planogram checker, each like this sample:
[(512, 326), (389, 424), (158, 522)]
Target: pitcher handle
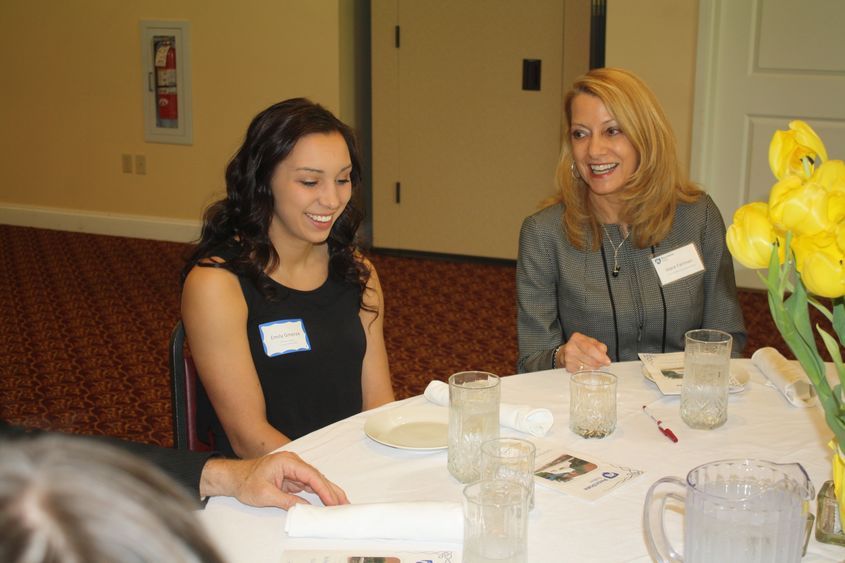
[(655, 532)]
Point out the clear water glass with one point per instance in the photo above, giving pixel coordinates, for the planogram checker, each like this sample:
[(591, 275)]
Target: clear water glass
[(495, 522), (473, 419), (707, 366), (510, 459), (592, 403)]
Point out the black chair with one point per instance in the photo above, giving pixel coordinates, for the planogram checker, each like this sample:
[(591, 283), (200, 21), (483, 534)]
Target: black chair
[(183, 384)]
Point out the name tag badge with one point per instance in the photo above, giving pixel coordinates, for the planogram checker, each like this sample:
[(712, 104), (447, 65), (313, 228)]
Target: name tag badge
[(678, 264), (284, 337)]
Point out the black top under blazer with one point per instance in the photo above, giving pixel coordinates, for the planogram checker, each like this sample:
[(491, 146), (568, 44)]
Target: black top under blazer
[(562, 290)]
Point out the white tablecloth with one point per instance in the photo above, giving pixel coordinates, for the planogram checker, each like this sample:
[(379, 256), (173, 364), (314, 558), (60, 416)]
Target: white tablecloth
[(761, 424)]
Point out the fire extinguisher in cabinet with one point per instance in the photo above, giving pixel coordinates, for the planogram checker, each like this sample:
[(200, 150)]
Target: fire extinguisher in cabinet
[(167, 104)]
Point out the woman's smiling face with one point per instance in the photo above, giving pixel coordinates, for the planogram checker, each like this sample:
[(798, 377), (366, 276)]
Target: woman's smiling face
[(603, 154), (311, 188)]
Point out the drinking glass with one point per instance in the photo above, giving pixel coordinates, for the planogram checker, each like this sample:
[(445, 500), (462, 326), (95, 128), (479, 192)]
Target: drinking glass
[(707, 364), (510, 459), (592, 403), (473, 419), (495, 522)]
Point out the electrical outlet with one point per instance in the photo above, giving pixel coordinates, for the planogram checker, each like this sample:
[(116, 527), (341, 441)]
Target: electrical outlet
[(126, 163), (140, 164)]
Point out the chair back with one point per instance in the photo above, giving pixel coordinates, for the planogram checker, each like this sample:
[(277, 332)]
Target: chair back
[(183, 382)]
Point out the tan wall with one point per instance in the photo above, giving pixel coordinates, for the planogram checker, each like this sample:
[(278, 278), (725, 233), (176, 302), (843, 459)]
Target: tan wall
[(71, 101), (657, 40), (72, 105)]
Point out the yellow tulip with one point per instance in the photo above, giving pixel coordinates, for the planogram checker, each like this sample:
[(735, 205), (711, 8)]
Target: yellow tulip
[(799, 206), (751, 235), (836, 207), (819, 260), (807, 245), (788, 148), (838, 475), (840, 236), (831, 176), (823, 273)]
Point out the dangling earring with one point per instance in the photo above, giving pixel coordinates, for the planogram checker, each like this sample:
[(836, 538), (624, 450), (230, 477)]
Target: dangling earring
[(574, 171)]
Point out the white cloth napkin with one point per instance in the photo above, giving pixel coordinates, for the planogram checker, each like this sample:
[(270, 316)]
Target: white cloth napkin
[(536, 422), (424, 521), (786, 376)]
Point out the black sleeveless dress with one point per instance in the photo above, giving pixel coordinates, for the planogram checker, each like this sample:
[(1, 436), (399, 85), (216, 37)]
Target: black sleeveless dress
[(308, 348)]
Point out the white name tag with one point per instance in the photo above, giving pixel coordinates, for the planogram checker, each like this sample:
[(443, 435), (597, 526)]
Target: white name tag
[(284, 337), (678, 264)]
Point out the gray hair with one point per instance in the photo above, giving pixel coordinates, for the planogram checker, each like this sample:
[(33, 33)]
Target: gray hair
[(72, 500)]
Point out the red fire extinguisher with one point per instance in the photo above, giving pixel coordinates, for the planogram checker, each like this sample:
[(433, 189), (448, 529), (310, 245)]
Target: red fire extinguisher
[(167, 106)]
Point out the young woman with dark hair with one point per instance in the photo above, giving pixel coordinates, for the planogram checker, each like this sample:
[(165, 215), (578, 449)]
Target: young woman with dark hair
[(283, 315)]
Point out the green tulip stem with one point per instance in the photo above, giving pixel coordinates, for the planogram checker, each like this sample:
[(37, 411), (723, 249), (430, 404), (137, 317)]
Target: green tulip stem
[(792, 317), (820, 308)]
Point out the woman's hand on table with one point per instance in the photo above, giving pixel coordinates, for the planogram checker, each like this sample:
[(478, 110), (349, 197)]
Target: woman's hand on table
[(270, 480), (582, 352)]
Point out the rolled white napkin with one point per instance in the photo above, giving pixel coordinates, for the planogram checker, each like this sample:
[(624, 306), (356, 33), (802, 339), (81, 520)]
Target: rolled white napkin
[(786, 376), (423, 520), (536, 422)]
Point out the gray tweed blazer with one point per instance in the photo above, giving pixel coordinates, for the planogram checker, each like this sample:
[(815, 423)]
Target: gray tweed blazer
[(562, 290)]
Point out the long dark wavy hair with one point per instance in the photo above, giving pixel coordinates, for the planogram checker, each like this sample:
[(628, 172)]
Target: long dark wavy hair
[(242, 219)]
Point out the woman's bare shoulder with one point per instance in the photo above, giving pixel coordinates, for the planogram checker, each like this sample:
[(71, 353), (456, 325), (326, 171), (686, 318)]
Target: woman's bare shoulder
[(209, 278)]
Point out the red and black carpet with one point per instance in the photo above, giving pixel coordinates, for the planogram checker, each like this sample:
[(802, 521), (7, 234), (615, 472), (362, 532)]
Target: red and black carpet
[(85, 322)]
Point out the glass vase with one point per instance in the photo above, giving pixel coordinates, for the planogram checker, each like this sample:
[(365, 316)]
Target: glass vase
[(829, 510)]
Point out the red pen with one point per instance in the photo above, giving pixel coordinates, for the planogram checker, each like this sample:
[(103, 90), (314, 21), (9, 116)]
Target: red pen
[(666, 431)]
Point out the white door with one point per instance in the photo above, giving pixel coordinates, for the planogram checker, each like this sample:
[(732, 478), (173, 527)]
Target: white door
[(473, 152), (761, 64)]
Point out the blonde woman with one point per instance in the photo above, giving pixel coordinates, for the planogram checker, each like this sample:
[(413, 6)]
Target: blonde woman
[(631, 254)]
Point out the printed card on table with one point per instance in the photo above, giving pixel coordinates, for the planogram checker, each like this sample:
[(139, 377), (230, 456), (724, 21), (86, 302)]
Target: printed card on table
[(580, 476), (360, 556), (666, 370)]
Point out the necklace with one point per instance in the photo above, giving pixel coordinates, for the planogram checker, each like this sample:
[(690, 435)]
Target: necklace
[(616, 248)]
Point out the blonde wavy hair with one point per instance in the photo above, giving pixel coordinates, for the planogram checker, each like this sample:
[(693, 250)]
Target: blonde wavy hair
[(658, 183)]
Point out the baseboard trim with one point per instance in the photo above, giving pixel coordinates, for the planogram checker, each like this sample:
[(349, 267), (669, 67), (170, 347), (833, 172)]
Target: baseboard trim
[(401, 253), (176, 230), (745, 279), (95, 222)]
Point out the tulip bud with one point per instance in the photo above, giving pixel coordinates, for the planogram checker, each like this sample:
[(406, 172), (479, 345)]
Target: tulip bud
[(751, 235), (799, 206), (788, 148), (823, 273)]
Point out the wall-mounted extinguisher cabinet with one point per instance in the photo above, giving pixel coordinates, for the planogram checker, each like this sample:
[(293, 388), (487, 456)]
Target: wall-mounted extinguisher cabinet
[(166, 81), (167, 96)]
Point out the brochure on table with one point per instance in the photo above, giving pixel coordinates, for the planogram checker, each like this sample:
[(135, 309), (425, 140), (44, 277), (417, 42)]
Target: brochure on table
[(578, 475), (667, 372), (367, 556)]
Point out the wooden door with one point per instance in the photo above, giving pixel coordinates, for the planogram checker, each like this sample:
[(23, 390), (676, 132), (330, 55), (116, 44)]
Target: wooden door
[(473, 152)]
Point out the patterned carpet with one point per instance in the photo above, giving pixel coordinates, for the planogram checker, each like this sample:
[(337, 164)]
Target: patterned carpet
[(85, 321)]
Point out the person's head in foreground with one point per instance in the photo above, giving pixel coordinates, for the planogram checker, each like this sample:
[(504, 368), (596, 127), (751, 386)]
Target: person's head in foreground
[(76, 501)]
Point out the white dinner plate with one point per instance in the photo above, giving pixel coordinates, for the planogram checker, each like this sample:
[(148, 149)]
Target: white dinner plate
[(416, 427), (738, 378)]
